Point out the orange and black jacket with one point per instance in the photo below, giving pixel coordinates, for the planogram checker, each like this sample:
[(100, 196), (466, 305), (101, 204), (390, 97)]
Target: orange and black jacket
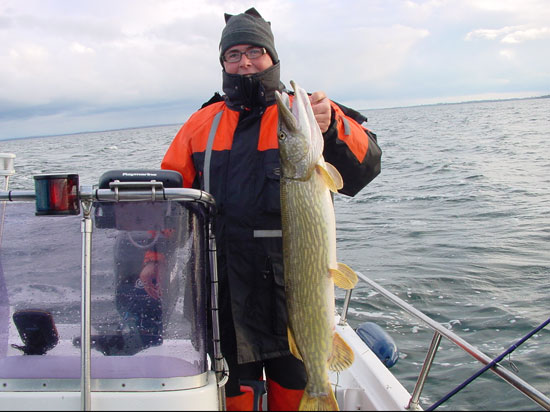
[(243, 176)]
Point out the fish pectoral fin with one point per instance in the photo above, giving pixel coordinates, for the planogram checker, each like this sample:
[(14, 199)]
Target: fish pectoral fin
[(292, 345), (331, 176), (342, 355), (344, 277)]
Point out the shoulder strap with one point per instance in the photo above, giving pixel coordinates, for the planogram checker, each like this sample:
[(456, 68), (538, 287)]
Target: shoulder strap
[(208, 151)]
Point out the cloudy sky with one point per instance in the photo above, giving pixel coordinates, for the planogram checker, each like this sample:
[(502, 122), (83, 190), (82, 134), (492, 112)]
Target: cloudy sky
[(73, 66)]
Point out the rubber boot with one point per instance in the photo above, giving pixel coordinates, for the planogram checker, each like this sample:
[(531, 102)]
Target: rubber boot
[(282, 399), (242, 402)]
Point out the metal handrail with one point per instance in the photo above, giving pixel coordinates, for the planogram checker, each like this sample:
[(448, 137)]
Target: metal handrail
[(528, 390), (91, 193), (86, 308)]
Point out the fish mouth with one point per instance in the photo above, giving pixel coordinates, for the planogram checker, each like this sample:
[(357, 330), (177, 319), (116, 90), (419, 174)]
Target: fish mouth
[(286, 118)]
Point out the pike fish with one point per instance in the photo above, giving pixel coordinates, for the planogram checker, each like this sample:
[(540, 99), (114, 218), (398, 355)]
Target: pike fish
[(309, 249)]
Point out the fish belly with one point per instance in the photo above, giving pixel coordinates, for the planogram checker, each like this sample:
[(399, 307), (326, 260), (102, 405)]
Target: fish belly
[(309, 251)]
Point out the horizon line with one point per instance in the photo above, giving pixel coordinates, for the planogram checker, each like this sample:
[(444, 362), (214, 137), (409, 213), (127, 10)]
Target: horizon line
[(546, 96)]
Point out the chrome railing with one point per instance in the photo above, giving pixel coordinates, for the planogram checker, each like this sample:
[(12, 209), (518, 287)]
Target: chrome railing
[(441, 331)]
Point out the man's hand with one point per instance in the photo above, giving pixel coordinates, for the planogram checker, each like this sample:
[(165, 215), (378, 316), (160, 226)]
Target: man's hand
[(321, 109), (150, 278)]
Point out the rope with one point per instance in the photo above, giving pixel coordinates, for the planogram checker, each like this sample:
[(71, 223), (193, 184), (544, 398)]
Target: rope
[(488, 366)]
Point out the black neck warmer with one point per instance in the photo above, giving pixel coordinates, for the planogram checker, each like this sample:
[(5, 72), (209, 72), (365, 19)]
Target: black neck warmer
[(252, 90)]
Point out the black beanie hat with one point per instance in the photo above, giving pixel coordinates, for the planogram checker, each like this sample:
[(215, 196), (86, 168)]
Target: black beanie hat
[(248, 28)]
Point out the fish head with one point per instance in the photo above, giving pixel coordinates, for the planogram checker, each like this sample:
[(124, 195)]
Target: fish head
[(300, 139)]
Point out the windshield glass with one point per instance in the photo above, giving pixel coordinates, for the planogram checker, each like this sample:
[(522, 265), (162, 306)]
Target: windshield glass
[(136, 333)]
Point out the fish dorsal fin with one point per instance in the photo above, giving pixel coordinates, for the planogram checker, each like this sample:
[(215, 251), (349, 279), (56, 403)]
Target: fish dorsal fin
[(342, 355), (344, 277), (292, 345), (331, 176)]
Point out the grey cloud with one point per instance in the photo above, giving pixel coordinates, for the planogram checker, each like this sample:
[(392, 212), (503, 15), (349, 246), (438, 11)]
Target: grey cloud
[(5, 22), (74, 27)]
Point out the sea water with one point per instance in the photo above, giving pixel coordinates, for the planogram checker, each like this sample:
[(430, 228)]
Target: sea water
[(457, 224)]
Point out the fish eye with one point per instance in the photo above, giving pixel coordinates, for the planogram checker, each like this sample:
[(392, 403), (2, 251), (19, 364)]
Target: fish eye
[(282, 135)]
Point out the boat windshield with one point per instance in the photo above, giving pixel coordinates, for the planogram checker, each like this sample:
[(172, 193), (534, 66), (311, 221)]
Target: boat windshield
[(135, 333)]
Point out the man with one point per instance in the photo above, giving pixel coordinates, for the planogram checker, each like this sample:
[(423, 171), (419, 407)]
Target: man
[(229, 148)]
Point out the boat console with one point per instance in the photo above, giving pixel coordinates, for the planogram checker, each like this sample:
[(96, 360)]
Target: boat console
[(78, 327)]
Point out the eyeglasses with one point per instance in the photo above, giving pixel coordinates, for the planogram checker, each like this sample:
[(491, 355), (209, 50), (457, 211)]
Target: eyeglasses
[(235, 56)]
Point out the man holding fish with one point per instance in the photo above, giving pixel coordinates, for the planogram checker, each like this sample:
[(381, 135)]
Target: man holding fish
[(230, 148)]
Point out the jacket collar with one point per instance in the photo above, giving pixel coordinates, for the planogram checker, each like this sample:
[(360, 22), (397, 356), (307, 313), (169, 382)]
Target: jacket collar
[(244, 92)]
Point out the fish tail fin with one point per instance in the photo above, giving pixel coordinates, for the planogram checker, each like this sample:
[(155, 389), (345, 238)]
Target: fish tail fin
[(324, 402), (342, 355)]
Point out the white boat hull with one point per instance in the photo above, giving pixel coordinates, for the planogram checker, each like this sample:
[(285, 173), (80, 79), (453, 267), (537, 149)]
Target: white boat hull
[(367, 384)]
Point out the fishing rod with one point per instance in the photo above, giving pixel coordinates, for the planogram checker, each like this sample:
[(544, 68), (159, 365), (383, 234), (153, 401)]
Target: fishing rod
[(488, 366)]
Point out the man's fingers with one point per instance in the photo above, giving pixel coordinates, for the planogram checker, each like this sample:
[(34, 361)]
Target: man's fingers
[(321, 109), (316, 97)]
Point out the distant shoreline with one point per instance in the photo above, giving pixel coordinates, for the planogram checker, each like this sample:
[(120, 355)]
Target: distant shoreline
[(361, 110), (546, 96), (89, 131)]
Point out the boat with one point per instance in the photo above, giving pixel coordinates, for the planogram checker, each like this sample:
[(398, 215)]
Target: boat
[(79, 332)]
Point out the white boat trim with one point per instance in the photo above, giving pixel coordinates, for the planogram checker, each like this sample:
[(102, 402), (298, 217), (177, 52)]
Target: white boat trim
[(199, 399)]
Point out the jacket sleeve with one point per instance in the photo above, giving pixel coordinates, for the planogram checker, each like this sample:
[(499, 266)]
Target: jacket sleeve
[(352, 149)]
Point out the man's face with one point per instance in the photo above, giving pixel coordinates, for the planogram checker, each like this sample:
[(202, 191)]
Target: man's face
[(246, 65)]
